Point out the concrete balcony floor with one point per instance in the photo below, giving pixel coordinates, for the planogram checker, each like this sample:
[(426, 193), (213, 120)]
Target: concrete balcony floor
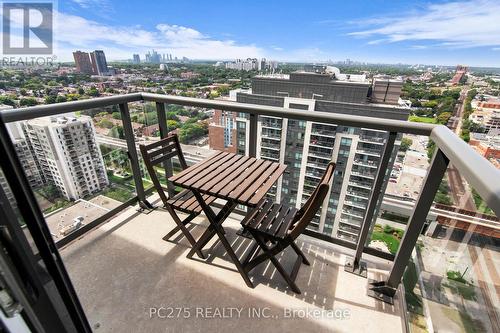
[(124, 269)]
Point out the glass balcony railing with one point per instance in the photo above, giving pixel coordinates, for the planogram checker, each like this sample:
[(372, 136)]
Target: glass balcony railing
[(369, 151), (438, 228)]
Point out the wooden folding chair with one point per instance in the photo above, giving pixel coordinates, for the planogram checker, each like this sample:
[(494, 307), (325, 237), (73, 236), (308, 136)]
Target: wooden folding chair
[(156, 154), (274, 227)]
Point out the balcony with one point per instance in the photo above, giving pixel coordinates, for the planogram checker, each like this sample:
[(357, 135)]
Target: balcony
[(317, 165), (365, 163), (126, 259), (121, 267), (320, 154), (365, 185), (368, 151), (270, 145), (371, 139), (271, 124)]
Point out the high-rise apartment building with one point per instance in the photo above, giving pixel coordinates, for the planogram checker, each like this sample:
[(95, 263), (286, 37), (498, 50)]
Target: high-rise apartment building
[(60, 151), (67, 154), (82, 61), (99, 63), (136, 59), (222, 131), (307, 147), (26, 158)]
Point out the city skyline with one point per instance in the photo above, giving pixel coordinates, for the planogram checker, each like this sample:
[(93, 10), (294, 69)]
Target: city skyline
[(441, 33)]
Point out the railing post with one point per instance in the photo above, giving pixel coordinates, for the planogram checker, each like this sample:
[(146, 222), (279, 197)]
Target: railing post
[(355, 265), (133, 157), (167, 165), (252, 142), (385, 290)]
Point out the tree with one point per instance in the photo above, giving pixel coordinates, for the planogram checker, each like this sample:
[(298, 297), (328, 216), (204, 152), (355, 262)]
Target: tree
[(405, 144), (30, 101), (105, 123), (116, 115), (81, 91), (93, 92), (172, 124), (117, 132), (50, 99), (172, 115), (443, 118), (72, 97), (191, 131), (7, 101), (61, 99)]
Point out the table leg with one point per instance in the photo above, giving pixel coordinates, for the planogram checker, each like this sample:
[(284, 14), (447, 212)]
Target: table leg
[(216, 228), (213, 219)]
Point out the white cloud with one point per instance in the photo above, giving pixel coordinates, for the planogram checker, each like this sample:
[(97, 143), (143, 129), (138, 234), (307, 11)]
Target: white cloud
[(454, 24), (119, 42)]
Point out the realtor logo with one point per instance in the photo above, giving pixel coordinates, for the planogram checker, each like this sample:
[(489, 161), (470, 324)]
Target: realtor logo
[(27, 28)]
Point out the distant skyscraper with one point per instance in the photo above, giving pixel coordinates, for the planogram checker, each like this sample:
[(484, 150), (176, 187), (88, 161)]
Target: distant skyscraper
[(137, 59), (82, 61), (99, 62), (153, 57)]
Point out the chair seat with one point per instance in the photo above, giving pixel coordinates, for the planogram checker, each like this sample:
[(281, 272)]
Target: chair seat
[(186, 202), (272, 219)]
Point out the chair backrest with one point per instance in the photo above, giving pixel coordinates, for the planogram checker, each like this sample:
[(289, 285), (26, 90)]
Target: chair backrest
[(309, 209), (158, 153)]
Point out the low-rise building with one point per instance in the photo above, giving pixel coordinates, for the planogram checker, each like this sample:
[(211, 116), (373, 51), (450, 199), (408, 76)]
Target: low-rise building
[(486, 113), (487, 145)]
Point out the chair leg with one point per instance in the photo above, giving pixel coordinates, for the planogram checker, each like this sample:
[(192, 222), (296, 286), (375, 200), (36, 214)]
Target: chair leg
[(300, 253), (184, 230), (177, 228), (269, 253), (285, 275), (251, 253)]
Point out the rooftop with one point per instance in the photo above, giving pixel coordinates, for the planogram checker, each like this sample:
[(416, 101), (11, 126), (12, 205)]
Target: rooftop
[(125, 267)]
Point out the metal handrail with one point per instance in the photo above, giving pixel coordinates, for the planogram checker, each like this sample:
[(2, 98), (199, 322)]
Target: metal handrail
[(477, 170)]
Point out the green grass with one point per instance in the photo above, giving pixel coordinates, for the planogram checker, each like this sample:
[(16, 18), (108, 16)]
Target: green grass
[(391, 241), (455, 276), (389, 235), (119, 193), (426, 120), (127, 181)]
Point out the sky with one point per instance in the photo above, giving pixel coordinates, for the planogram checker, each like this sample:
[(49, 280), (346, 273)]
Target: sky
[(411, 32)]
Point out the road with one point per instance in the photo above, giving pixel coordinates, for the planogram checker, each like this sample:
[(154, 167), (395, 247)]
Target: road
[(192, 154), (460, 191)]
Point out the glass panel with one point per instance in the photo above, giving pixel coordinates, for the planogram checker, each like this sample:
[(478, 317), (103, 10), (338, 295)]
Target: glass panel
[(77, 165), (401, 189), (452, 281)]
